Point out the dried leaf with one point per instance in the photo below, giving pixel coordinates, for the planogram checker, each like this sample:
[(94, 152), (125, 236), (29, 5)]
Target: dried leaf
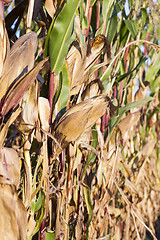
[(4, 57), (114, 211), (142, 92), (30, 13), (13, 214), (29, 115), (127, 122), (23, 54), (148, 148), (10, 165), (13, 165), (31, 225), (12, 211), (20, 87), (50, 7)]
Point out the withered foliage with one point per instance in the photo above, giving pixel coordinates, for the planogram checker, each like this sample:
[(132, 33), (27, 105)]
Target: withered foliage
[(79, 151)]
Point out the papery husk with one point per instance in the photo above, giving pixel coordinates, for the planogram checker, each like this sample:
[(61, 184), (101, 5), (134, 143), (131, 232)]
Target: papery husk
[(79, 118), (80, 60), (94, 88)]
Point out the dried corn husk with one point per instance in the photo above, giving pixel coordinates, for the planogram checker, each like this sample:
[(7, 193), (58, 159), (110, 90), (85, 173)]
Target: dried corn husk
[(79, 118), (94, 88), (80, 61)]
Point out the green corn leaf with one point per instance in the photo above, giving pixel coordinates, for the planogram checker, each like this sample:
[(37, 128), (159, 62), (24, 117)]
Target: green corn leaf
[(60, 35), (141, 61), (112, 25), (131, 25), (92, 2), (40, 219), (65, 90), (87, 196), (50, 236), (153, 69), (92, 155), (38, 204)]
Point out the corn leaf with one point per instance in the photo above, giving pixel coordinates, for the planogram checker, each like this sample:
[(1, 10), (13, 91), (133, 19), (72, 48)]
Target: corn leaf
[(61, 34), (64, 95)]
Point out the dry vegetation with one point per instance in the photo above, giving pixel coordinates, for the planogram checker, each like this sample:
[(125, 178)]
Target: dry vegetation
[(79, 120)]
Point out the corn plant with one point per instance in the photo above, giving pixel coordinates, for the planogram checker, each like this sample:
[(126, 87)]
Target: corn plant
[(79, 119)]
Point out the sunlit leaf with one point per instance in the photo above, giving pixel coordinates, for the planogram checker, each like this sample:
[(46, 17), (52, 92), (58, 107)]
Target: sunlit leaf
[(65, 90), (131, 25), (141, 61), (60, 35), (50, 236), (89, 207)]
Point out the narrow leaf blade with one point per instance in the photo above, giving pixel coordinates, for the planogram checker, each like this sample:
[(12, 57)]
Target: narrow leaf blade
[(60, 35)]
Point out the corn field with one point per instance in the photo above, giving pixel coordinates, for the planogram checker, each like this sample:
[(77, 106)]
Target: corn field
[(79, 120)]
